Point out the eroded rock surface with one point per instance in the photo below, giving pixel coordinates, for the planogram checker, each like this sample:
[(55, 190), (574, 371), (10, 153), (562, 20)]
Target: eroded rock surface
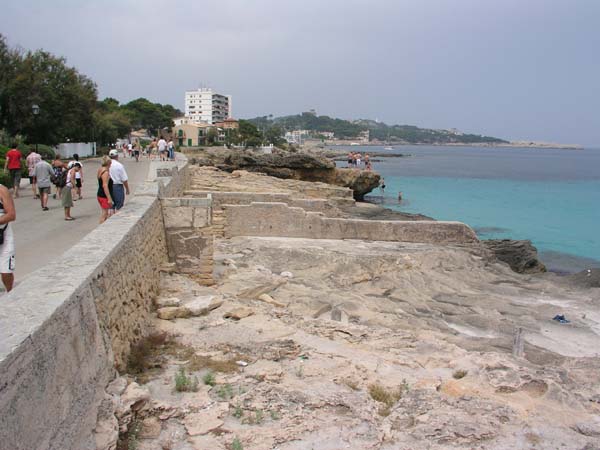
[(298, 166), (521, 256), (376, 345)]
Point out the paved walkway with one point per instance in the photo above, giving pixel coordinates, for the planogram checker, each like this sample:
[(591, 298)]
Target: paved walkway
[(42, 235)]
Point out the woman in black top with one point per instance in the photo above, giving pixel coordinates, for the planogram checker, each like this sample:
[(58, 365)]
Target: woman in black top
[(105, 192)]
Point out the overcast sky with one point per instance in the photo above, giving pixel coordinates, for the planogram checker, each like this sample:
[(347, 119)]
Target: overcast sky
[(516, 69)]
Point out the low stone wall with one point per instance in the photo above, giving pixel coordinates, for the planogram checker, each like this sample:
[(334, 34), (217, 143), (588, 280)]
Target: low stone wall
[(281, 220), (65, 328), (189, 235)]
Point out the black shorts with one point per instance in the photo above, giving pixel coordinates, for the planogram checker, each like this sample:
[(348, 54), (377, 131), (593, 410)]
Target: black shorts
[(78, 182), (31, 180), (15, 174)]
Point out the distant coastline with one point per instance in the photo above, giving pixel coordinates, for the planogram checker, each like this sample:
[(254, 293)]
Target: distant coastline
[(516, 144)]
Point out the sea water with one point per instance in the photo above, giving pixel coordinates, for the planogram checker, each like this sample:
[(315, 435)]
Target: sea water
[(549, 196)]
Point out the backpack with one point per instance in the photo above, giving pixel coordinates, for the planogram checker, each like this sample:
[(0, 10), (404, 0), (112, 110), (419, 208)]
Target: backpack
[(59, 178)]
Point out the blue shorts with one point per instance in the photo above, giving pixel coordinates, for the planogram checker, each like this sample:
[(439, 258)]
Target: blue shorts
[(118, 196)]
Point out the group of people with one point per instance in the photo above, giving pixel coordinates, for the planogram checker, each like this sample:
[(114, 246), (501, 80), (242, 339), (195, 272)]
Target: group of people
[(160, 148), (356, 160), (67, 178)]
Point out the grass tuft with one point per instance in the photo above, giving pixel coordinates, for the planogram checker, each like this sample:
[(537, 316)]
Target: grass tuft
[(388, 397), (209, 379), (184, 383), (458, 374)]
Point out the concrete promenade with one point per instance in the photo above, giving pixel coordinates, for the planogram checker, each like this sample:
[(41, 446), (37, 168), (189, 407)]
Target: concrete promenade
[(42, 236)]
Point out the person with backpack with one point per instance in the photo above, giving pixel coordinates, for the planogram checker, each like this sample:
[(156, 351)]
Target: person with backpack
[(60, 177)]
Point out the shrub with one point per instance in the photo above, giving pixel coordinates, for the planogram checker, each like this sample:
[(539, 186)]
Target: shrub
[(209, 379), (183, 383)]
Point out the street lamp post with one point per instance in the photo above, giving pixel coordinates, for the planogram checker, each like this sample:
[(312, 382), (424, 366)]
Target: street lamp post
[(35, 109)]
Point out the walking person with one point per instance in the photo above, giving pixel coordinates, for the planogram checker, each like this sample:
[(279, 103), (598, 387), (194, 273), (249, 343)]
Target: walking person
[(162, 148), (78, 176), (7, 243), (67, 194), (43, 172), (13, 164), (105, 188), (59, 167), (151, 148), (32, 159), (118, 174), (136, 151), (171, 150)]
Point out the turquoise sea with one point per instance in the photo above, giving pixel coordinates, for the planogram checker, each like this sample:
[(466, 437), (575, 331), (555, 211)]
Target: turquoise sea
[(549, 196)]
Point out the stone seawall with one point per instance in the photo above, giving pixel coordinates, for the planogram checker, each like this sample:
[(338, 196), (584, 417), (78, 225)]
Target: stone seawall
[(281, 220), (65, 328)]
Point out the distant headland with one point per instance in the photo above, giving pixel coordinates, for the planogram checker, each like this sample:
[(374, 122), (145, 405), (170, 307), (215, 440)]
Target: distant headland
[(308, 126)]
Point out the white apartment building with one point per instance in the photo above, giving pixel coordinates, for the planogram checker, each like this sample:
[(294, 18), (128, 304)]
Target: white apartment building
[(205, 105)]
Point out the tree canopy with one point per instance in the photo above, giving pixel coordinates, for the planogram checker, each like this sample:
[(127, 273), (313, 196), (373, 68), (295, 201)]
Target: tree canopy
[(69, 109)]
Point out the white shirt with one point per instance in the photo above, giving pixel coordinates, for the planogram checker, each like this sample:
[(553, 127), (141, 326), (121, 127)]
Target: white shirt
[(117, 172), (162, 145)]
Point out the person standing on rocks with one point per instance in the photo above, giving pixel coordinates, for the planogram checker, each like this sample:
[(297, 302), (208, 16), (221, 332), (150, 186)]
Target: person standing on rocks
[(118, 174), (32, 159), (43, 171), (13, 164), (7, 245)]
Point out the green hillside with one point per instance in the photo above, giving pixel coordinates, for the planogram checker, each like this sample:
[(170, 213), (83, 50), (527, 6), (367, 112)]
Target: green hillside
[(345, 129)]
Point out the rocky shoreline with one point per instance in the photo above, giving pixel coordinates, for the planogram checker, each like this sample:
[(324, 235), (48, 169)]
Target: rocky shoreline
[(331, 343)]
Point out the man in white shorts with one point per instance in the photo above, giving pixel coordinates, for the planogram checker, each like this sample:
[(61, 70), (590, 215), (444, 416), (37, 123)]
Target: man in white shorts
[(7, 247)]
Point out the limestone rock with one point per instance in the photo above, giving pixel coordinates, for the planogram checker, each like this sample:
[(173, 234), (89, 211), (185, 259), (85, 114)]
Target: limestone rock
[(163, 302), (202, 305), (150, 429), (117, 386), (106, 432), (205, 421), (287, 274), (173, 312), (270, 300), (205, 442), (134, 398), (591, 429), (238, 313), (521, 256), (298, 166)]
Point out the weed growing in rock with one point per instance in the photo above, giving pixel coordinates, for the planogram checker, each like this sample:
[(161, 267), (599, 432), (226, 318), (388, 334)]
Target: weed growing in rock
[(209, 379), (225, 392), (386, 396), (238, 412), (236, 444), (275, 415), (254, 419), (216, 365), (143, 354), (300, 371), (133, 435), (183, 383), (458, 374), (259, 416)]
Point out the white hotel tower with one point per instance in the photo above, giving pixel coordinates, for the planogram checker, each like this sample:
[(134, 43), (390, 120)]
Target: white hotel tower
[(204, 105)]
